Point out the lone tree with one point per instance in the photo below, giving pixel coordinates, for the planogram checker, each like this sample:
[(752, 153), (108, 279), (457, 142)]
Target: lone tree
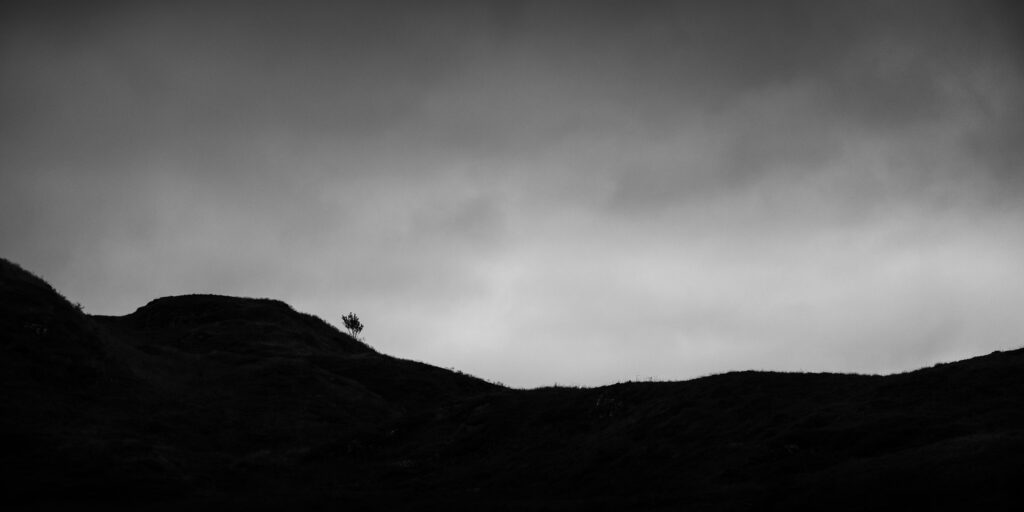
[(353, 324)]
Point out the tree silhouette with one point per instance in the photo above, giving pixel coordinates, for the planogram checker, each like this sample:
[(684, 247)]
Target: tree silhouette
[(353, 324)]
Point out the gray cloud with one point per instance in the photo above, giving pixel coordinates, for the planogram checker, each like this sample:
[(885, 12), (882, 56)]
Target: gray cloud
[(535, 191)]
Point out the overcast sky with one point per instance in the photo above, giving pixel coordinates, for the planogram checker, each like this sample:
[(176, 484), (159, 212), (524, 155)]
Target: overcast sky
[(536, 192)]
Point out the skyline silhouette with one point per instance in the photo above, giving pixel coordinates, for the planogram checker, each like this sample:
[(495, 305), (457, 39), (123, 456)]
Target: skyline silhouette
[(209, 401)]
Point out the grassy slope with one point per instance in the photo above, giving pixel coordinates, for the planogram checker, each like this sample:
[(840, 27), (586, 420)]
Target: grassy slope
[(210, 400)]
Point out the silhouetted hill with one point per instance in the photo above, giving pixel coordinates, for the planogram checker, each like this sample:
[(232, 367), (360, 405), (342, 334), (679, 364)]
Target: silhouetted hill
[(205, 401)]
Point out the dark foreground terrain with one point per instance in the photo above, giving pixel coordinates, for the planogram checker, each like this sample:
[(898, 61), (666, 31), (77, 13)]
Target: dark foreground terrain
[(214, 402)]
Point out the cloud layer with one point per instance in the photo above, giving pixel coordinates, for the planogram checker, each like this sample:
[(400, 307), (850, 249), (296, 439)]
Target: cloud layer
[(536, 192)]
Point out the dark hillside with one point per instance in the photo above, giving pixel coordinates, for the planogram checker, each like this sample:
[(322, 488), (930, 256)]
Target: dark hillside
[(206, 401), (45, 335), (198, 323)]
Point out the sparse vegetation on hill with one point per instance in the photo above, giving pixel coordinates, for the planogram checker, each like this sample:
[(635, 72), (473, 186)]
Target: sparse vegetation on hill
[(210, 401), (353, 324)]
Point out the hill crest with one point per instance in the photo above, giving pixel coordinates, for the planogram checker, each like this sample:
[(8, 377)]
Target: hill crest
[(215, 401)]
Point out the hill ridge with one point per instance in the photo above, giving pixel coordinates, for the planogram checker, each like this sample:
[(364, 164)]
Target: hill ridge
[(216, 401)]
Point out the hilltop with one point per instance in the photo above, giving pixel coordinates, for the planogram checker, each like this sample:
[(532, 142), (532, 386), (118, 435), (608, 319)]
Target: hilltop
[(206, 401)]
